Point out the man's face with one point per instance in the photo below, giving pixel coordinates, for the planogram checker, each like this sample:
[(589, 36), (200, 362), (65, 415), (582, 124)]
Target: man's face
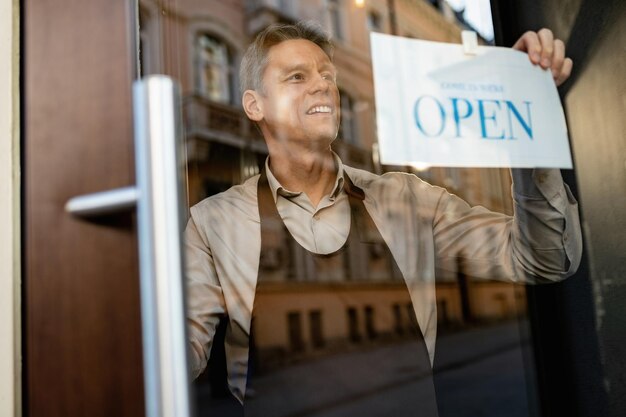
[(300, 99)]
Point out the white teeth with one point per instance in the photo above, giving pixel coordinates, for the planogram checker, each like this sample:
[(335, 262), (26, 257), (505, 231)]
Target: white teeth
[(320, 109)]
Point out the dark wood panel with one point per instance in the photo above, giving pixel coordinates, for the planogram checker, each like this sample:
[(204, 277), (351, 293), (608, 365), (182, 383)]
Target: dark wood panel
[(82, 313)]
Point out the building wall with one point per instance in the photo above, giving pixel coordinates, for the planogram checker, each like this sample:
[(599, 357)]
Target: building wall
[(278, 300), (496, 300), (10, 346), (489, 301)]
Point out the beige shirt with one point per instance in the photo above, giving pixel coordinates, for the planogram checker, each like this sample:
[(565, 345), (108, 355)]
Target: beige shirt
[(425, 227), (322, 229)]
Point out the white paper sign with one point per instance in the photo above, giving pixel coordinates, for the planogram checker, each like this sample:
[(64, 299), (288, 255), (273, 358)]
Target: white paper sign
[(437, 106)]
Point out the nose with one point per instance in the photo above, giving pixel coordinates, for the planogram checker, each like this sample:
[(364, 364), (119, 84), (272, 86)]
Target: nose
[(320, 84)]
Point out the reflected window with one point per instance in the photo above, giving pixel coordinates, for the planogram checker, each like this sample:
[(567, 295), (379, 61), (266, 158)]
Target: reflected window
[(370, 328), (148, 47), (443, 316), (374, 21), (294, 323), (397, 318), (317, 336), (214, 67), (348, 126), (353, 325), (334, 10), (411, 312)]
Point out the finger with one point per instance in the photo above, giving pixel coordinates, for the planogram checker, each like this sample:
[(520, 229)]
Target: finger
[(547, 47), (566, 71), (558, 58), (529, 42)]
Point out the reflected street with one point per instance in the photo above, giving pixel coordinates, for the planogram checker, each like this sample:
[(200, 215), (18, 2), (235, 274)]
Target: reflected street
[(479, 373)]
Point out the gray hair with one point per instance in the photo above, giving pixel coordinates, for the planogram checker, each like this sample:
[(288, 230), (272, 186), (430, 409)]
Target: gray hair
[(255, 59)]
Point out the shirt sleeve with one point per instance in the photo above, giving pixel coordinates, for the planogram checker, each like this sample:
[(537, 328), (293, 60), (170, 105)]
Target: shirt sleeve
[(542, 242), (205, 300)]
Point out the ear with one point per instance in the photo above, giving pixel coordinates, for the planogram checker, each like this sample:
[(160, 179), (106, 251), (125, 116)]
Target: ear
[(252, 105)]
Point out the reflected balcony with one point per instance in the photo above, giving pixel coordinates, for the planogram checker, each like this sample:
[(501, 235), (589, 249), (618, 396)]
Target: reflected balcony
[(210, 121)]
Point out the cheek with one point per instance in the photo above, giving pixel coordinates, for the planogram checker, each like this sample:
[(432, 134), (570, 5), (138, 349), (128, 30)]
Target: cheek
[(283, 103), (287, 109)]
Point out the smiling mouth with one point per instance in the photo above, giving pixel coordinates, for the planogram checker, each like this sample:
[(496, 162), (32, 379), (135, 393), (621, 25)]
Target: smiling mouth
[(320, 110)]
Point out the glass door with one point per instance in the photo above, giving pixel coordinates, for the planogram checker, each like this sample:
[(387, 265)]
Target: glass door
[(323, 305)]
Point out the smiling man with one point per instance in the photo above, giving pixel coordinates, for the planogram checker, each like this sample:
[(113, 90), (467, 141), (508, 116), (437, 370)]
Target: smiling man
[(297, 110), (337, 217)]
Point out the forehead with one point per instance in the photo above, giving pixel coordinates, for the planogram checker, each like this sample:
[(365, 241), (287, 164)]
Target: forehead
[(297, 52)]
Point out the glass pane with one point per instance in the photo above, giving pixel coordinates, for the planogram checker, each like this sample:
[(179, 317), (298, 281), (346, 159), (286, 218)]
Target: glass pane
[(372, 291)]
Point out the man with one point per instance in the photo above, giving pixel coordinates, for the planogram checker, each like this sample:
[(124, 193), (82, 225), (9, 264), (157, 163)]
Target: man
[(289, 90)]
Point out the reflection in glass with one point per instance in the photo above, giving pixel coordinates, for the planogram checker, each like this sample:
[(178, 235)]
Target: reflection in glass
[(214, 69), (149, 40), (348, 127), (340, 333)]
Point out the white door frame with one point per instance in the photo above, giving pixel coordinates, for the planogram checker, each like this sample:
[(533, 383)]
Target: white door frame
[(10, 274)]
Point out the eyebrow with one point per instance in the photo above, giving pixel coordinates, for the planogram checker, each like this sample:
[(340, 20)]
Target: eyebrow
[(304, 67), (297, 67)]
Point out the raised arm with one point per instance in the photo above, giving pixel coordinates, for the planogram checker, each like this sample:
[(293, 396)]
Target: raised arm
[(541, 243)]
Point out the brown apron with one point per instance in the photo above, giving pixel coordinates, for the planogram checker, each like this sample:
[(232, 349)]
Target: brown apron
[(317, 388)]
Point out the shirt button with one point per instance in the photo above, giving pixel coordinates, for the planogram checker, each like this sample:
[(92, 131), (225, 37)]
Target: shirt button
[(565, 237), (316, 217)]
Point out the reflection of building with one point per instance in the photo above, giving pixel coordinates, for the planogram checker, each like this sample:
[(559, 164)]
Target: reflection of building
[(201, 44), (313, 317)]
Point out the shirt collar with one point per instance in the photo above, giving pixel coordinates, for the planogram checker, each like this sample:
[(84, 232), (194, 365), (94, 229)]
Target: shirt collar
[(278, 189)]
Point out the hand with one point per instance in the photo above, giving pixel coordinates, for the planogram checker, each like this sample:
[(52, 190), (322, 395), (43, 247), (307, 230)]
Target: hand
[(547, 52)]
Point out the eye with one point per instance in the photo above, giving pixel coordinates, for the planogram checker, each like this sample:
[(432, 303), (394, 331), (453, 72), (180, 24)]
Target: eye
[(328, 76), (297, 77)]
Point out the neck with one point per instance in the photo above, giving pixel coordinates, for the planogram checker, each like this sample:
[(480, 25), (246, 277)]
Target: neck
[(310, 171)]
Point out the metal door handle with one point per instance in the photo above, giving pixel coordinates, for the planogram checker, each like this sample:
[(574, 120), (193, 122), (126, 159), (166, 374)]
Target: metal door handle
[(103, 203), (158, 196)]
